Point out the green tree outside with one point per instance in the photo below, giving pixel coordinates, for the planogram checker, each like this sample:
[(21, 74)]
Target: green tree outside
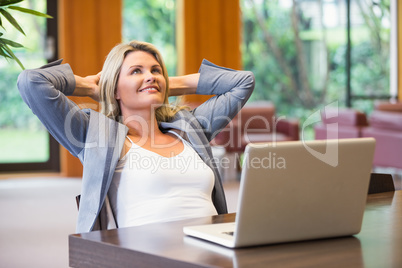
[(299, 62), (22, 136)]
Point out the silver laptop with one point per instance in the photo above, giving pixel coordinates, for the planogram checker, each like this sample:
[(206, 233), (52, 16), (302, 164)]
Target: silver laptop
[(295, 191)]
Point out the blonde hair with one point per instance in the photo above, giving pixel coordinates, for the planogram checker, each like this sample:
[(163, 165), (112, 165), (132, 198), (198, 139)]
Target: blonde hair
[(110, 76)]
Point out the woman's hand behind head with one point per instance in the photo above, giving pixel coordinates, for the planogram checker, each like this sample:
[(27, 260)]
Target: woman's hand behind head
[(87, 86)]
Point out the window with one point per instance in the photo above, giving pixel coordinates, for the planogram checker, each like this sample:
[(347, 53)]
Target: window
[(153, 21), (24, 142), (370, 31), (298, 51)]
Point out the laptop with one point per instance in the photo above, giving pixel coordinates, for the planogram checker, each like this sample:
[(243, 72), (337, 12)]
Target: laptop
[(296, 191)]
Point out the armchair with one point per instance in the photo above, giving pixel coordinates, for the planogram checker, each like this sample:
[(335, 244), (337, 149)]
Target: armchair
[(256, 122), (386, 128), (350, 124)]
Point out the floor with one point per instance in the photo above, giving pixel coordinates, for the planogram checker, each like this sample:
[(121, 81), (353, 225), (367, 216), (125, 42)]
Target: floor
[(38, 214)]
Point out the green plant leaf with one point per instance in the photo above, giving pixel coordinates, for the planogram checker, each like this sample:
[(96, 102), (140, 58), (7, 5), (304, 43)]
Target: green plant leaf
[(10, 43), (11, 20), (9, 2), (1, 22), (4, 54), (30, 11), (11, 53)]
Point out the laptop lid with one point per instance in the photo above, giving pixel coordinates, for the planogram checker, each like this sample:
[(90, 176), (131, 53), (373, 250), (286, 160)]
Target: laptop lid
[(293, 191)]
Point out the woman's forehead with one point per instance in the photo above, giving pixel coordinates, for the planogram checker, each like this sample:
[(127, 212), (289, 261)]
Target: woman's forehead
[(140, 58)]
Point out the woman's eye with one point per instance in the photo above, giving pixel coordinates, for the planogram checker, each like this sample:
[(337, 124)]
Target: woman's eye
[(157, 71), (136, 71)]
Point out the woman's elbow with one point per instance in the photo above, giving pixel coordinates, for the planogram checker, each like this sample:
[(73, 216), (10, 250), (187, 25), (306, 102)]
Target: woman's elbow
[(23, 83), (249, 81), (26, 78), (27, 84)]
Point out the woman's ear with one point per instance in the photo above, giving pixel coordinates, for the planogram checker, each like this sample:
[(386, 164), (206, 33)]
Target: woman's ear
[(117, 95)]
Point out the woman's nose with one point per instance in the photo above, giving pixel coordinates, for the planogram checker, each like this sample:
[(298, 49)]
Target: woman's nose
[(150, 78)]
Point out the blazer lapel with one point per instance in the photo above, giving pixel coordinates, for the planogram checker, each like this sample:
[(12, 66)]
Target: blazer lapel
[(105, 139)]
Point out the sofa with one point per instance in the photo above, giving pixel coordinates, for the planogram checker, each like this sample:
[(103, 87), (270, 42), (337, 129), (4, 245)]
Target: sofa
[(386, 128), (340, 123), (384, 124), (256, 122)]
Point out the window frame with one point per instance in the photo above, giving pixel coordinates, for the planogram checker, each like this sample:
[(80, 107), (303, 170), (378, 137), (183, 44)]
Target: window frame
[(53, 163), (393, 92)]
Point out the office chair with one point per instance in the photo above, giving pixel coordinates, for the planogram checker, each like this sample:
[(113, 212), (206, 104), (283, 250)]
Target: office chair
[(380, 183)]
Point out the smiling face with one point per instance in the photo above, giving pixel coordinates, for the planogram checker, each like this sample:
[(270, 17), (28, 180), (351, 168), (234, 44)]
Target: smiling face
[(141, 84)]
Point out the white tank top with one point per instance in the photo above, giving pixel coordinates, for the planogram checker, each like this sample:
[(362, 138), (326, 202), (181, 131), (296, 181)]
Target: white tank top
[(148, 187)]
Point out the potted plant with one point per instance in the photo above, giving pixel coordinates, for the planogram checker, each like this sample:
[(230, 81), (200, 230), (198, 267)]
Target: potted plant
[(5, 44)]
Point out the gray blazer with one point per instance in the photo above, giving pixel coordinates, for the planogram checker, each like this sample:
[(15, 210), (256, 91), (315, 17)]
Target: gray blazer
[(98, 141)]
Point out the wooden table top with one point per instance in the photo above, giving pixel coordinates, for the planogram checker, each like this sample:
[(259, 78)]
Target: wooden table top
[(379, 244)]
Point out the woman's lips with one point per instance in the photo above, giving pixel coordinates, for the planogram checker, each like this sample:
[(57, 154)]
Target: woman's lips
[(149, 89)]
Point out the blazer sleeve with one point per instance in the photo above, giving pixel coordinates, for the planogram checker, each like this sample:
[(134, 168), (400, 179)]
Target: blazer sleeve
[(231, 88), (44, 90)]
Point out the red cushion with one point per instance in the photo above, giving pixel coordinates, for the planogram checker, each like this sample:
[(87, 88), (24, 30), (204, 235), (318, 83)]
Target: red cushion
[(389, 106)]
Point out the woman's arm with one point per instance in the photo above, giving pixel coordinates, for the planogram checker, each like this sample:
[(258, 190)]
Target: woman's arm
[(231, 88), (183, 85), (44, 90)]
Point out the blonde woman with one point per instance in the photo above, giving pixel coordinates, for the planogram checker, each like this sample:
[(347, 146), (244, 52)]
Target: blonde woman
[(144, 160)]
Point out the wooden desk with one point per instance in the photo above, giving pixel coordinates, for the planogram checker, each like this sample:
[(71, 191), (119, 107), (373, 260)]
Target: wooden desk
[(379, 244)]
